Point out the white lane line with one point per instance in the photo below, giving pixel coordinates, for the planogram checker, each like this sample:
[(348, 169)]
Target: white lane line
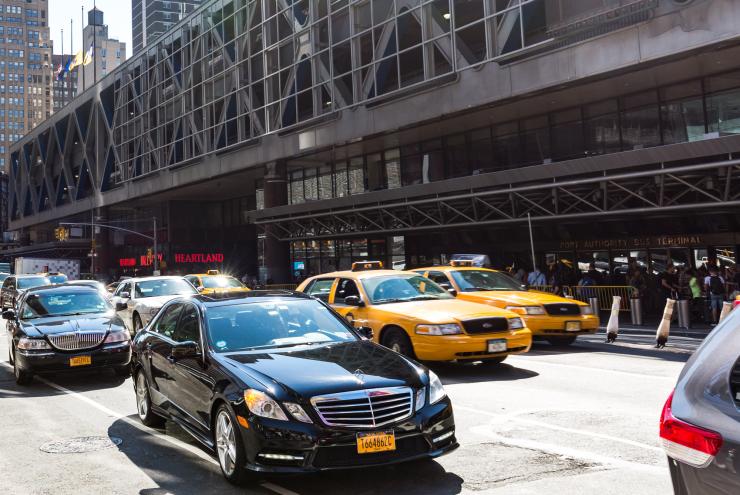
[(541, 424), (567, 452), (535, 362), (174, 441)]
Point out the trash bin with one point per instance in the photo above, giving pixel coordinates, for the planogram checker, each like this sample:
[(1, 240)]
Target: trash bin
[(594, 303), (636, 310), (684, 313)]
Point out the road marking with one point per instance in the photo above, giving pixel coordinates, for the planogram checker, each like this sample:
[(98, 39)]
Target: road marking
[(530, 360), (174, 441), (567, 451), (532, 422)]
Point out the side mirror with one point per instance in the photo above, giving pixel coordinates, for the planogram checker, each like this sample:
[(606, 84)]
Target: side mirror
[(121, 306), (125, 295), (354, 301), (449, 289), (8, 314), (365, 332), (185, 350), (201, 288)]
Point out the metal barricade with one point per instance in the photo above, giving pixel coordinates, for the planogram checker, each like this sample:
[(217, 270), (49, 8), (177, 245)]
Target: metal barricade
[(604, 293), (542, 288), (636, 310), (684, 313)]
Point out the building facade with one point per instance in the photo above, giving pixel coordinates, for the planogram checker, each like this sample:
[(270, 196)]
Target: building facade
[(25, 70), (65, 89), (292, 140), (108, 53), (152, 18)]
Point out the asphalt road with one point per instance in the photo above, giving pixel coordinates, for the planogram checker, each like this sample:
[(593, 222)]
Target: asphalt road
[(579, 420)]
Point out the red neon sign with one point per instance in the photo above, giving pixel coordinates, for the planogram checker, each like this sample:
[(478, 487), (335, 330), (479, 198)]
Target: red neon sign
[(126, 262), (199, 257)]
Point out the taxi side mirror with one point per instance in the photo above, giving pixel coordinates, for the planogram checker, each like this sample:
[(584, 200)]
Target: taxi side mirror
[(365, 332), (125, 295), (354, 301), (449, 289)]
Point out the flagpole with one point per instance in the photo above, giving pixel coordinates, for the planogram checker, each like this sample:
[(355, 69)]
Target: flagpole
[(82, 66), (71, 51), (95, 47)]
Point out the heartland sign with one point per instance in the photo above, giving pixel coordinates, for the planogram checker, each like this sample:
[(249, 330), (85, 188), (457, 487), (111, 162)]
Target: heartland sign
[(199, 257)]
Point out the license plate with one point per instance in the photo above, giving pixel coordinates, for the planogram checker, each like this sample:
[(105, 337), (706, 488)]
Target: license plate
[(497, 345), (368, 443), (572, 326), (80, 361)]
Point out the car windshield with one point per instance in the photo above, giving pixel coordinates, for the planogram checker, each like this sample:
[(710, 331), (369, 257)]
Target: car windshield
[(164, 287), (30, 282), (58, 279), (63, 304), (220, 282), (274, 324), (402, 288), (475, 280), (3, 276)]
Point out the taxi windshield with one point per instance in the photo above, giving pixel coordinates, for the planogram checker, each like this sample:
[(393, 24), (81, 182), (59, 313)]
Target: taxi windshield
[(402, 288), (220, 282), (164, 287), (31, 282), (477, 280), (63, 304), (274, 324)]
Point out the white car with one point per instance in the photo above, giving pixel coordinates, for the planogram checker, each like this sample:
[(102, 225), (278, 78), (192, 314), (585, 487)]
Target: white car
[(137, 300)]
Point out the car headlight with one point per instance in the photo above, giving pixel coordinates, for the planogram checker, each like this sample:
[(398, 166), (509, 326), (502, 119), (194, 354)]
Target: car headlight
[(117, 336), (261, 404), (297, 412), (445, 329), (436, 389), (515, 323), (420, 398), (33, 344), (527, 310), (586, 310)]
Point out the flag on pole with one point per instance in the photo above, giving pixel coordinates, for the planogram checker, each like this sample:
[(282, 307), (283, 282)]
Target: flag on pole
[(77, 60), (88, 56), (60, 72)]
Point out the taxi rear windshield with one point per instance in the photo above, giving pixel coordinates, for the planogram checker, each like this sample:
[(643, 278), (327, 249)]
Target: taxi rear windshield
[(475, 280), (398, 288), (216, 282)]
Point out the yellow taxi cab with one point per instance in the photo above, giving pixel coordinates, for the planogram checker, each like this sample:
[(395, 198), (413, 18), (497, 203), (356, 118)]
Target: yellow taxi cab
[(213, 282), (556, 319), (415, 317)]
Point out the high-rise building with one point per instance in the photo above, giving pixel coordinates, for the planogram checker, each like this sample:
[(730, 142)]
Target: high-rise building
[(108, 53), (25, 70), (65, 89), (151, 18)]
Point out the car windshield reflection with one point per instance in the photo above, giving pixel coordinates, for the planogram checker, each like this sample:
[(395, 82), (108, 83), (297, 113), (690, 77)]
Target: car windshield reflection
[(479, 280), (164, 287), (43, 305), (399, 288)]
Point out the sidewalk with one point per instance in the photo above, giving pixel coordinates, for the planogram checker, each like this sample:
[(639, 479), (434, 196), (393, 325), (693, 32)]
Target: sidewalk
[(650, 326)]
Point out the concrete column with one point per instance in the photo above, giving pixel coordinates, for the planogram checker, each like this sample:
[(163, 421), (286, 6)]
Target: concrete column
[(277, 253)]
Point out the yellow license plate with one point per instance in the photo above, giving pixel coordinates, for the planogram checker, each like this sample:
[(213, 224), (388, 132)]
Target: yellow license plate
[(368, 443), (572, 326), (80, 361)]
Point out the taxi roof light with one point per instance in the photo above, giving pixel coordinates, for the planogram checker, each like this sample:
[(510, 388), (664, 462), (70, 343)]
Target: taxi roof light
[(361, 266), (212, 272), (461, 263)]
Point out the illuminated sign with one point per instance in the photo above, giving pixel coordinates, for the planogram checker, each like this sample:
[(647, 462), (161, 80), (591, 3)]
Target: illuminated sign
[(125, 262), (199, 257)]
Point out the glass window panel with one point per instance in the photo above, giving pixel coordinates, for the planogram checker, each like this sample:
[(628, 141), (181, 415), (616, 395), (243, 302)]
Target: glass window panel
[(356, 176), (382, 10), (683, 121), (640, 128), (723, 81), (456, 152), (326, 191), (639, 100), (296, 187), (340, 179), (567, 135), (411, 65), (339, 25), (440, 62), (602, 134), (681, 91), (535, 136), (409, 30), (342, 58), (471, 42), (508, 37), (386, 75), (467, 11), (723, 113), (392, 169), (375, 176), (438, 11), (481, 151), (534, 29), (506, 147), (310, 184), (363, 17)]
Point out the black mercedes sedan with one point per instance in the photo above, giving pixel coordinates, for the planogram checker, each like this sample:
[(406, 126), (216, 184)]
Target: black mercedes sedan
[(280, 383), (700, 423), (65, 328)]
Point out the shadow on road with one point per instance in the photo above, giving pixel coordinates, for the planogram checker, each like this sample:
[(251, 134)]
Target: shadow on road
[(451, 373), (79, 381), (634, 350)]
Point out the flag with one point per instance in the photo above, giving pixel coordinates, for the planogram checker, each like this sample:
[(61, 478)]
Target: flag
[(60, 72), (77, 60), (88, 56)]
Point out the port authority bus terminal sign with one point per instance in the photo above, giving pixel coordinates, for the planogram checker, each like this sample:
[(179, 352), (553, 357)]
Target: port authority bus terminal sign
[(662, 241)]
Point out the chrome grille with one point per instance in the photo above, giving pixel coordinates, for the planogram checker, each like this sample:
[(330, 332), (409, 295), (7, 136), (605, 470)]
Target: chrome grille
[(74, 341), (562, 309), (365, 408)]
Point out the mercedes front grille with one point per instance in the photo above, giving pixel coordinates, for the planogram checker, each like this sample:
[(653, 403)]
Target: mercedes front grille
[(75, 341), (365, 408)]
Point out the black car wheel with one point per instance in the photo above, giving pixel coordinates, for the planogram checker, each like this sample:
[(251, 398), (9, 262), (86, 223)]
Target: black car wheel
[(137, 324), (21, 377), (229, 447), (494, 361), (396, 340), (144, 403), (561, 341)]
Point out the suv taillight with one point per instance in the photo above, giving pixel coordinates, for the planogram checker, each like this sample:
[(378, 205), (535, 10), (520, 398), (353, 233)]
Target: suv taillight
[(685, 442)]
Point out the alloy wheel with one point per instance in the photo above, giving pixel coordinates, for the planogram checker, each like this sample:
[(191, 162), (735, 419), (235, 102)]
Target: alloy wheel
[(225, 443), (142, 396)]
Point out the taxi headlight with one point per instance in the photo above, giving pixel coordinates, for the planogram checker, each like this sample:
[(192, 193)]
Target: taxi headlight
[(436, 389), (587, 310), (297, 412), (33, 344), (117, 336), (261, 404), (527, 310), (446, 329), (515, 323)]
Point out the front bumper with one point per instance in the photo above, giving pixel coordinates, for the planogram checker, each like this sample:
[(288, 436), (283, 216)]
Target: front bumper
[(467, 347), (318, 448), (545, 325), (107, 355)]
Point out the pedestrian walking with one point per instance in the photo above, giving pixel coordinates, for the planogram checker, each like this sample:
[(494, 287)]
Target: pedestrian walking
[(715, 286), (536, 278), (668, 285), (697, 301)]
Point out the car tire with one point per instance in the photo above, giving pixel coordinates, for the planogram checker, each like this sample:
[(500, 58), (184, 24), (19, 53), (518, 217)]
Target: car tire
[(227, 442), (144, 403), (494, 361), (21, 377), (137, 324), (122, 371), (561, 341), (396, 340)]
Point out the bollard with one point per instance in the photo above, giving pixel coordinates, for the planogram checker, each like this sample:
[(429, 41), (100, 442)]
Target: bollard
[(636, 310), (726, 308), (595, 309), (664, 327), (612, 327), (684, 313)]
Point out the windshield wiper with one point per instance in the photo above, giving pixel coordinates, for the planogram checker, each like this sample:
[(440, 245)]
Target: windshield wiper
[(389, 300), (277, 346), (423, 298)]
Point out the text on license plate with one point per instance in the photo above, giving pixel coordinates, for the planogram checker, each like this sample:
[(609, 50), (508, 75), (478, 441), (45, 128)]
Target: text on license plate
[(572, 326), (80, 361), (367, 443), (497, 345)]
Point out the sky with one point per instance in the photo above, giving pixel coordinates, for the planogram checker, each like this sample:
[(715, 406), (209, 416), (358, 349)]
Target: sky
[(116, 14)]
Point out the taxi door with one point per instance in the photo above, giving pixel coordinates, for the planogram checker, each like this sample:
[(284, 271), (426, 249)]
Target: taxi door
[(357, 316)]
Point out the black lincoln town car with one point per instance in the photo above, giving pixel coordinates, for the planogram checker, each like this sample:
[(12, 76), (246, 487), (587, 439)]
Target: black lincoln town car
[(279, 383), (65, 328)]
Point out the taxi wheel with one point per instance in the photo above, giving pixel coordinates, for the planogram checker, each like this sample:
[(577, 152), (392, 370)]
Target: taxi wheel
[(494, 361), (396, 340), (561, 341)]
